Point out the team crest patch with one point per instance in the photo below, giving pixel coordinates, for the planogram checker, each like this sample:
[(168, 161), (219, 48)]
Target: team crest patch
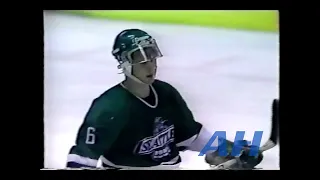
[(157, 145)]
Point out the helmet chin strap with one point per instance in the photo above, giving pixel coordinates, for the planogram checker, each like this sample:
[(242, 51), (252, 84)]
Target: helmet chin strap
[(127, 70)]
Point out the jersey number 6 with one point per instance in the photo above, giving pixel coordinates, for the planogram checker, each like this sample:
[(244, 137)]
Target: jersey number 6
[(90, 139)]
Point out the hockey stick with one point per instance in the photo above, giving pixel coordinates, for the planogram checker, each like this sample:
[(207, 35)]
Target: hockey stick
[(272, 141)]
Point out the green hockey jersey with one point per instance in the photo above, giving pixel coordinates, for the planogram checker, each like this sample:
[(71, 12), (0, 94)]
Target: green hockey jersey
[(126, 131)]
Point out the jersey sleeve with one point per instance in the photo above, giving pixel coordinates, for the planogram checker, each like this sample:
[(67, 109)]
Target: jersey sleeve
[(186, 128), (96, 135)]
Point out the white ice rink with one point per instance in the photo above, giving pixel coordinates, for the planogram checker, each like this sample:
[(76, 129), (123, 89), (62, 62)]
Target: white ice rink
[(229, 78)]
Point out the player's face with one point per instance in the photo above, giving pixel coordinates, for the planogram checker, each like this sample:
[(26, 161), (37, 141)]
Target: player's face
[(146, 71), (145, 65)]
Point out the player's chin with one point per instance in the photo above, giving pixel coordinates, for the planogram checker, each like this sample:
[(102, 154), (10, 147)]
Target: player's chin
[(148, 80)]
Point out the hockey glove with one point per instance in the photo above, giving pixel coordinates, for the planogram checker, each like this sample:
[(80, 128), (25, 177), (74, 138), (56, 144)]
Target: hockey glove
[(243, 162)]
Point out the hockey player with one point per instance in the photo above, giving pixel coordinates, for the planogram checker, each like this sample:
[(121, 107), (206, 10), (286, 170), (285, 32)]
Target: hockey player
[(141, 122)]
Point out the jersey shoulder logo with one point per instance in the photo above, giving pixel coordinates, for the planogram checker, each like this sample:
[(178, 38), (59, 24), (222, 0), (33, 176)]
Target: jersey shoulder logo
[(157, 145)]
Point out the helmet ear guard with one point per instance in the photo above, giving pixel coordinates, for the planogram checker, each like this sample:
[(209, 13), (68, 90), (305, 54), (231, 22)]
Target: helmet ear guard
[(127, 70)]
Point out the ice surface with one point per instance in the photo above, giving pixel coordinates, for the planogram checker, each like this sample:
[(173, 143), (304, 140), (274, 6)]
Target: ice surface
[(229, 78)]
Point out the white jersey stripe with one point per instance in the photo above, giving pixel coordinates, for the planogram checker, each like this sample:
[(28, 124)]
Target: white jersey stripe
[(82, 160), (163, 166), (187, 142)]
